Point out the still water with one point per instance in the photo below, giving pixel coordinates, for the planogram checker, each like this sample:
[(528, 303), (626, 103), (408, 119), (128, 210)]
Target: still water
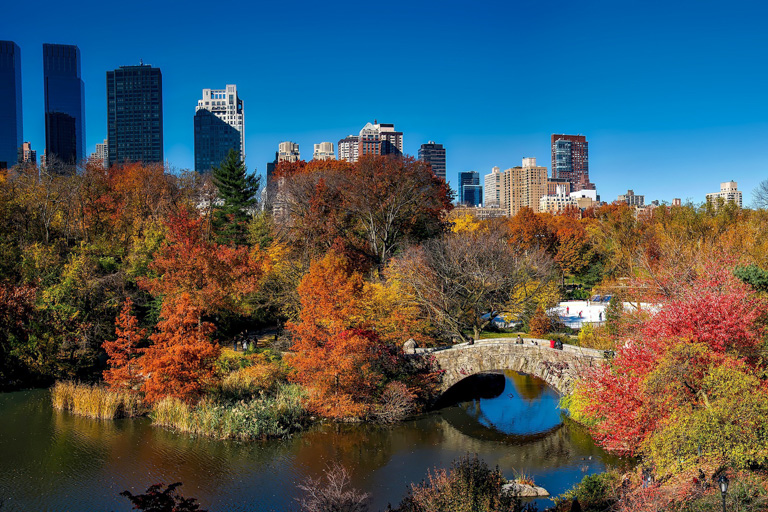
[(53, 461)]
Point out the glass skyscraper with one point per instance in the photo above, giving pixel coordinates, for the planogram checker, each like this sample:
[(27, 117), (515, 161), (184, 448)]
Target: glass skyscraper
[(470, 190), (219, 127), (64, 103), (135, 114), (11, 127)]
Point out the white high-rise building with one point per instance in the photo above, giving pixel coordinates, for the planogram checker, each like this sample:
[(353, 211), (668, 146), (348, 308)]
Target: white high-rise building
[(729, 193), (227, 106), (492, 188), (324, 151), (288, 152), (102, 153), (348, 148)]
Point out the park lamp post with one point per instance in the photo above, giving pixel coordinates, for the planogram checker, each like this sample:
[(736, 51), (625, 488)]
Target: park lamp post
[(723, 481)]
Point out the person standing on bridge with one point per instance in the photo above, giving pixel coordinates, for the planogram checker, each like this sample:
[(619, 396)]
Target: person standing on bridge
[(519, 340)]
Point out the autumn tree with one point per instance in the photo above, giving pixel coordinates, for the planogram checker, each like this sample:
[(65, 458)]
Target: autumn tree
[(180, 362), (540, 324), (238, 191), (215, 278), (465, 280), (123, 372), (666, 366), (16, 311), (333, 351)]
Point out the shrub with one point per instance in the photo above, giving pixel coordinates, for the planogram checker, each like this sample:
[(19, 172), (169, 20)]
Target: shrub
[(595, 493), (266, 416), (395, 404), (469, 486), (595, 337), (333, 493)]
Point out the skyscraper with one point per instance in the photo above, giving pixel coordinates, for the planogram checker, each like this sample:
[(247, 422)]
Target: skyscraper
[(11, 127), (570, 160), (379, 139), (219, 127), (64, 103), (101, 155), (135, 114), (492, 188), (324, 151), (435, 155), (523, 187), (470, 190)]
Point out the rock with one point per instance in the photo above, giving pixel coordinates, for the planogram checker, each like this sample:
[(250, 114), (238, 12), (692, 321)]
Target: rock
[(524, 490), (409, 347)]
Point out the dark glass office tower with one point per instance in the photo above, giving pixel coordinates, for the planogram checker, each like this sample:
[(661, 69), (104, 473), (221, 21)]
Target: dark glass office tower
[(64, 103), (11, 127), (435, 155), (470, 190), (213, 140), (135, 114)]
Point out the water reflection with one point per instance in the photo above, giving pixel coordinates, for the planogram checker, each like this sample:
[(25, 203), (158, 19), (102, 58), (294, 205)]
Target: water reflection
[(56, 461)]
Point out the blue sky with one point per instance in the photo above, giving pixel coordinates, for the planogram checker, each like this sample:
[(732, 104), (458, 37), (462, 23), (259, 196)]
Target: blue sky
[(671, 95)]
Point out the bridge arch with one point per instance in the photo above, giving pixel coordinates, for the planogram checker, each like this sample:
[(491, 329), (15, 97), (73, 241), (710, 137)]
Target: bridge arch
[(558, 368)]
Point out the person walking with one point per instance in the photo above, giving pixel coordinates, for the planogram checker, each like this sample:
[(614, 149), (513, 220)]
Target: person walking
[(519, 340)]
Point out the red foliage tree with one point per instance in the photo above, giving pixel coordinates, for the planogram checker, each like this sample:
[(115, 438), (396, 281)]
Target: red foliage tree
[(180, 362), (123, 353)]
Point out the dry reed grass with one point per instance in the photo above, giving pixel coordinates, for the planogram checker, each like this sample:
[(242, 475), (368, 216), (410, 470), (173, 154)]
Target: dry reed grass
[(95, 401)]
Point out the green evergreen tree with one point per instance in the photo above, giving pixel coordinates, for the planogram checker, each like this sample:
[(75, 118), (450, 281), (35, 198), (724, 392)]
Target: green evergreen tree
[(238, 191)]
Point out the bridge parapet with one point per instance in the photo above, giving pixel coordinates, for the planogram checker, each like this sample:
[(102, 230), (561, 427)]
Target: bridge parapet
[(559, 368)]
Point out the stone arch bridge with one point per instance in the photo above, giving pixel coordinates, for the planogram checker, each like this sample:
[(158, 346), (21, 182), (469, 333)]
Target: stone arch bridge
[(558, 368)]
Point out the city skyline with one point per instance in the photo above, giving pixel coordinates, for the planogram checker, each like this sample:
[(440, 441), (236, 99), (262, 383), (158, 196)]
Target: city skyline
[(651, 102)]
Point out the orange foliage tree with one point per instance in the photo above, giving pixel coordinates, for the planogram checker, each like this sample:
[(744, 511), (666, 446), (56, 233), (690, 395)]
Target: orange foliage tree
[(215, 277), (123, 372), (180, 361)]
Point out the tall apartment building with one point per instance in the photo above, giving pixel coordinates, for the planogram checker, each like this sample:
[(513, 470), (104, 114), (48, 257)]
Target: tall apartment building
[(11, 125), (288, 152), (324, 151), (348, 148), (64, 103), (729, 193), (26, 154), (219, 127), (101, 155), (523, 187), (632, 199), (135, 114), (379, 139), (470, 190), (434, 154), (570, 160), (555, 184), (492, 188)]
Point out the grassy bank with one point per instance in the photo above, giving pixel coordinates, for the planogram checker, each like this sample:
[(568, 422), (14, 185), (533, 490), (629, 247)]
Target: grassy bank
[(269, 415), (95, 401)]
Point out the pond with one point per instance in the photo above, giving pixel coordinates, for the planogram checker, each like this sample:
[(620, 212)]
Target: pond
[(55, 461)]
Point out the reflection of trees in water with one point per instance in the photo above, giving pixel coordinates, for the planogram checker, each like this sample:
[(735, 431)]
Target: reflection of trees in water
[(528, 387)]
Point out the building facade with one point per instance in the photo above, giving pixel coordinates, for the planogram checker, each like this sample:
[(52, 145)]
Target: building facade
[(288, 152), (555, 184), (492, 188), (632, 199), (570, 160), (348, 148), (64, 104), (379, 139), (135, 114), (101, 155), (557, 202), (729, 193), (523, 186), (324, 151), (219, 127), (11, 123), (27, 155), (434, 154), (470, 190)]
